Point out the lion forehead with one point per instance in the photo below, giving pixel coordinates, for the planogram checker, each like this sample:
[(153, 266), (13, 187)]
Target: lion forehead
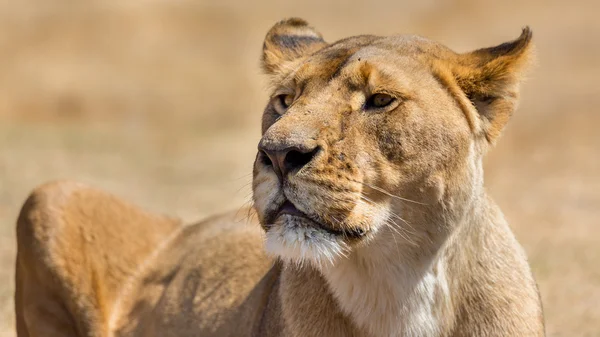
[(351, 63)]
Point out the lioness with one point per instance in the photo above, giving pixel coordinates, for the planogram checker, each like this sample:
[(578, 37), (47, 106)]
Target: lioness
[(368, 187)]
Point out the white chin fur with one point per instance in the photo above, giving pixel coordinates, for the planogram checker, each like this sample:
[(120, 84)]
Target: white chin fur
[(293, 240)]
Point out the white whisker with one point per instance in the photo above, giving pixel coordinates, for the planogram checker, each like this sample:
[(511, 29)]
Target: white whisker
[(379, 189)]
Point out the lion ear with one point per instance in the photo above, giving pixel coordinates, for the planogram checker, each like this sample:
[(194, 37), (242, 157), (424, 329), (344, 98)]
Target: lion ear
[(288, 41), (490, 79)]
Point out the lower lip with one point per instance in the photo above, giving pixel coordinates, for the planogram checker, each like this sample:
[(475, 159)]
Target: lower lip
[(289, 208)]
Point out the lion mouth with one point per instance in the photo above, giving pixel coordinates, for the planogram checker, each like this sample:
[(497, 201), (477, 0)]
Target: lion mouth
[(288, 208)]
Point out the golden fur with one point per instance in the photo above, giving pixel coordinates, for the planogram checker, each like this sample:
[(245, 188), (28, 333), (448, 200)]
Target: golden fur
[(368, 186)]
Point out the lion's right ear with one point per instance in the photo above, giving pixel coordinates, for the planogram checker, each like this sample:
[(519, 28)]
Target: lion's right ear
[(288, 41)]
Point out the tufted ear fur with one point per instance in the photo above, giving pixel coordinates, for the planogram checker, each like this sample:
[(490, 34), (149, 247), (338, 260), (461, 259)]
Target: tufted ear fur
[(490, 78), (288, 41)]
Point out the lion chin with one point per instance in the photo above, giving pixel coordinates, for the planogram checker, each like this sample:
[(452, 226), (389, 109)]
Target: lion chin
[(298, 240)]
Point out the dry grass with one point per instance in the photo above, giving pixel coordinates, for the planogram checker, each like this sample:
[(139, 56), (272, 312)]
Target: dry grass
[(159, 102)]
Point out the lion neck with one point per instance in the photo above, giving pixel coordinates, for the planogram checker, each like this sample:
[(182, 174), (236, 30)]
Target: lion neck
[(394, 287)]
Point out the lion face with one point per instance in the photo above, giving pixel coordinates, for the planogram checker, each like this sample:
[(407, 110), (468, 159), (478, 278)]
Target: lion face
[(360, 135)]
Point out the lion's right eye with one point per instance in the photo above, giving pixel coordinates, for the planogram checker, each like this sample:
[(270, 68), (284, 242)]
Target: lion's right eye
[(282, 102)]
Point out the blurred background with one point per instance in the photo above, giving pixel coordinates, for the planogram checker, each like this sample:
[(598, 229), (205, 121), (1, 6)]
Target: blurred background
[(159, 101)]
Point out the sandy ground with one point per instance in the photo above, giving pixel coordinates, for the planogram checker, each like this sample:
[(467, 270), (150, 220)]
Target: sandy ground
[(159, 102)]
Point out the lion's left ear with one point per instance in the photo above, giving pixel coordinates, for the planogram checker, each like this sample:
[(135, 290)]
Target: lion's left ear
[(288, 41), (490, 79)]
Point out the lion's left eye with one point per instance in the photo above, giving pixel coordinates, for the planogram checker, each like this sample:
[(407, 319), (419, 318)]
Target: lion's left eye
[(282, 102), (379, 101)]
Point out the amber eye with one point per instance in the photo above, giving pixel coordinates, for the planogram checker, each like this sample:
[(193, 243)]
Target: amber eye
[(282, 102), (379, 101)]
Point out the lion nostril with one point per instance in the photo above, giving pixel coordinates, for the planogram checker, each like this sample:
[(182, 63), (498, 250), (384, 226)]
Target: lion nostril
[(264, 158), (284, 159), (295, 160)]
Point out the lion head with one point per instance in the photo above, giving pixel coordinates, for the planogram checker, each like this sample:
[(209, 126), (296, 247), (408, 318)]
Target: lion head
[(374, 137)]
